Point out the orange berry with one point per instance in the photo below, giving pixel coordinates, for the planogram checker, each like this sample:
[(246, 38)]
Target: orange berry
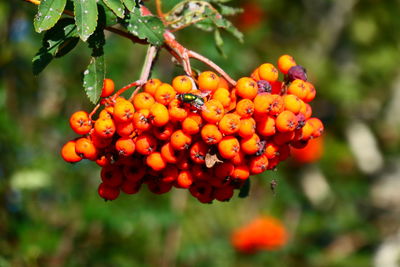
[(317, 125), (108, 88), (292, 103), (164, 94), (246, 88), (99, 141), (228, 147), (156, 161), (68, 152), (130, 188), (229, 124), (151, 86), (223, 83), (180, 140), (133, 172), (169, 174), (190, 126), (268, 103), (141, 120), (208, 81), (198, 152), (224, 193), (250, 145), (169, 154), (266, 126), (311, 152), (285, 62), (239, 159), (184, 179), (286, 121), (106, 113), (80, 123), (145, 144), (104, 128), (164, 132), (245, 108), (282, 138), (255, 76), (124, 129), (86, 149), (213, 111), (143, 100), (223, 96), (125, 146), (268, 72), (210, 134), (159, 115), (112, 175), (107, 192), (123, 111), (271, 150), (182, 84), (176, 111), (223, 170), (310, 93), (258, 164), (298, 88), (247, 127), (241, 172)]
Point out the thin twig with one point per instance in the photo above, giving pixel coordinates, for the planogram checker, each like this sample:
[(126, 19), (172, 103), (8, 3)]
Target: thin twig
[(205, 60), (159, 11)]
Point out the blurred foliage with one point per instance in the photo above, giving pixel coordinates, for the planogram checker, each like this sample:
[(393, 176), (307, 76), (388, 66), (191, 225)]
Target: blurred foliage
[(51, 215)]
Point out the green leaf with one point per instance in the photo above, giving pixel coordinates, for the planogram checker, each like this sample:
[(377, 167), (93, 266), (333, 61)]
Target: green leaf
[(85, 17), (93, 78), (245, 189), (223, 23), (150, 28), (96, 42), (219, 42), (203, 15), (116, 6), (228, 10), (49, 12), (105, 17), (130, 4), (57, 42)]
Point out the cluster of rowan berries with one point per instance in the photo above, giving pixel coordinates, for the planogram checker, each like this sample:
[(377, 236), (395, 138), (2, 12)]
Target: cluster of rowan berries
[(203, 135)]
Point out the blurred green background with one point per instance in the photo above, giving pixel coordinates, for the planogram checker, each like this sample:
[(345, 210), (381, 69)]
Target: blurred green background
[(342, 211)]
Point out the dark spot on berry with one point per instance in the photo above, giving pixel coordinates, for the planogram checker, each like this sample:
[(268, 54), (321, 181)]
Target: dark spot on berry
[(297, 73)]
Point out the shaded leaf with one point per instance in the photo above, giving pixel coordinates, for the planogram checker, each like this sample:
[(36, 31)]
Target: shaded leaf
[(245, 189), (96, 42), (49, 12), (57, 42), (85, 17), (116, 6), (130, 4), (93, 78), (105, 17), (150, 28)]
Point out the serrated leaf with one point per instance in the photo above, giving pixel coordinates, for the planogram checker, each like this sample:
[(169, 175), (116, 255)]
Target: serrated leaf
[(49, 12), (130, 4), (85, 12), (96, 42), (150, 28), (57, 41), (116, 6), (245, 189), (199, 12), (223, 23), (105, 17), (93, 78)]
